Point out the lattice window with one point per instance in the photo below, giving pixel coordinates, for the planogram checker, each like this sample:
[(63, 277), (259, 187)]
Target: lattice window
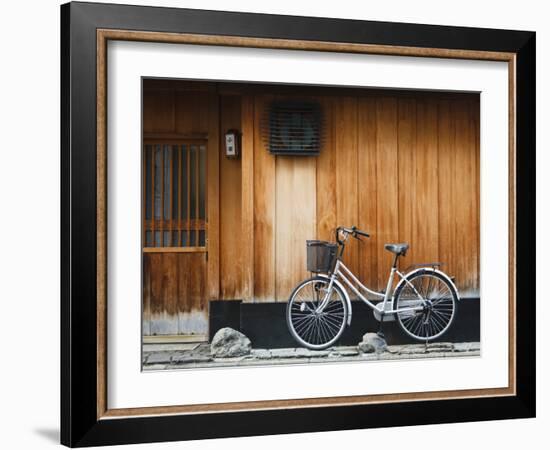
[(174, 196)]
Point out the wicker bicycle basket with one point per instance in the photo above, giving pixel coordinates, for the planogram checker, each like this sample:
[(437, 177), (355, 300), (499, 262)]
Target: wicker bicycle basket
[(321, 256)]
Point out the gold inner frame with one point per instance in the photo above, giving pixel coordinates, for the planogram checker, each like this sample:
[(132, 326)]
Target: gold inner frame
[(103, 36)]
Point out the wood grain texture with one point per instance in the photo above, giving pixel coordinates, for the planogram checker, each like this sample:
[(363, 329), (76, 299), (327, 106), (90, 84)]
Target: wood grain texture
[(177, 281), (264, 211), (285, 249), (387, 205), (465, 188), (295, 220), (101, 224), (426, 204), (446, 183), (343, 47), (512, 217), (213, 198), (326, 176), (174, 293), (231, 236), (247, 237), (367, 187), (192, 111), (192, 308), (345, 138), (146, 297), (159, 113), (310, 402), (476, 230), (388, 165), (407, 149)]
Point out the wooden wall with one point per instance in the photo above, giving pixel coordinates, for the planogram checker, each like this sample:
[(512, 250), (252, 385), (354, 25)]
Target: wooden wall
[(231, 258), (403, 167), (177, 285)]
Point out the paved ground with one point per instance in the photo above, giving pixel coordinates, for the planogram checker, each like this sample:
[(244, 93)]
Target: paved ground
[(184, 356)]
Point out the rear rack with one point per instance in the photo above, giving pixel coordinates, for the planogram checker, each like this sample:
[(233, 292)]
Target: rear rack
[(431, 264)]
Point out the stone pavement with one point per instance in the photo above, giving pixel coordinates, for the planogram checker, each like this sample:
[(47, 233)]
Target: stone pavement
[(197, 355)]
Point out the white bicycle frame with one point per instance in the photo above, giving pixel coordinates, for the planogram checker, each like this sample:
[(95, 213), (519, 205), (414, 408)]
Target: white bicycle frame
[(341, 272)]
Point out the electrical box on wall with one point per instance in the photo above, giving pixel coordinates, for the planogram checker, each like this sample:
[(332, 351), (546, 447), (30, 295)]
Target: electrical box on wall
[(232, 144)]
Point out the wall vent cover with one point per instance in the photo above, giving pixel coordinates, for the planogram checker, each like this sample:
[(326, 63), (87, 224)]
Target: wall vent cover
[(293, 128)]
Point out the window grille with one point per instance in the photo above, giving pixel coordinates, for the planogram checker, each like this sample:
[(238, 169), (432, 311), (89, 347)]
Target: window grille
[(174, 186), (293, 128)]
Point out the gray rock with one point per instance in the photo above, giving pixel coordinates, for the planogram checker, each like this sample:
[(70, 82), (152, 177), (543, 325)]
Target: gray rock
[(229, 343), (372, 343)]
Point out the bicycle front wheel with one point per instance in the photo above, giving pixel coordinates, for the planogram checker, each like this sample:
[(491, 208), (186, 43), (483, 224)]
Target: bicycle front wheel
[(311, 328), (430, 317)]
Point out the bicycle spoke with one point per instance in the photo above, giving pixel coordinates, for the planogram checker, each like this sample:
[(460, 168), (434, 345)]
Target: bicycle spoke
[(308, 332), (328, 333), (301, 320), (437, 323), (304, 326), (435, 316), (331, 326), (330, 320), (311, 327), (428, 289)]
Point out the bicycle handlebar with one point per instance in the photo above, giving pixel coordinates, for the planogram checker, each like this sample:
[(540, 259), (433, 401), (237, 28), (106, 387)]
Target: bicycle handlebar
[(353, 231)]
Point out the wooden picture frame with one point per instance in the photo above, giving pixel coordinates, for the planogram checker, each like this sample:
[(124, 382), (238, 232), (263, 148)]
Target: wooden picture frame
[(85, 417)]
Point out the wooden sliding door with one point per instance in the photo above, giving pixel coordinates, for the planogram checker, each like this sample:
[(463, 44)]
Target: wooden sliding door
[(175, 236)]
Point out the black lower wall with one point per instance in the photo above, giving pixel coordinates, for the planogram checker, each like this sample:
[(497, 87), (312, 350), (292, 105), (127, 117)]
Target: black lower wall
[(265, 323)]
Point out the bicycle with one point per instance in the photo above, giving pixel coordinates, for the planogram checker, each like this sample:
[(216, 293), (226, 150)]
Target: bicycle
[(319, 308)]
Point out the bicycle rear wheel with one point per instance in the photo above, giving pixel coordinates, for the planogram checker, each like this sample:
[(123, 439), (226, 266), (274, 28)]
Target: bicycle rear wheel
[(437, 312), (310, 328)]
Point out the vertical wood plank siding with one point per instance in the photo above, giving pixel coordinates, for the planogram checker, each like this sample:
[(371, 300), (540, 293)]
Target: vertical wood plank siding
[(264, 211), (387, 206), (403, 167), (231, 256), (246, 235), (213, 196), (367, 189)]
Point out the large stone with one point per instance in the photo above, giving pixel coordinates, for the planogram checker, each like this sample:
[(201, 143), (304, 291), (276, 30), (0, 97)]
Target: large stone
[(372, 343), (229, 343)]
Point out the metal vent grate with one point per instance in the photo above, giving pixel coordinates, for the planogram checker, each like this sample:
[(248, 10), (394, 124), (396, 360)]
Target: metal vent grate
[(293, 128)]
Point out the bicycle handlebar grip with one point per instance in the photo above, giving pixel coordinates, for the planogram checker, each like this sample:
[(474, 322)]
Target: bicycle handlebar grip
[(338, 235), (353, 231)]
